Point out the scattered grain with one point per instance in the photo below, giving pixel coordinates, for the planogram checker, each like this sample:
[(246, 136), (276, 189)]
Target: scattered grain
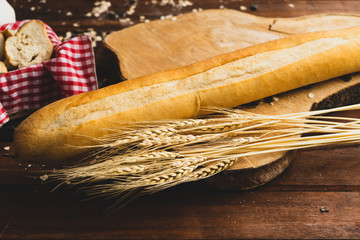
[(178, 4), (243, 8), (311, 95), (44, 177), (131, 10), (291, 5), (99, 8), (324, 209)]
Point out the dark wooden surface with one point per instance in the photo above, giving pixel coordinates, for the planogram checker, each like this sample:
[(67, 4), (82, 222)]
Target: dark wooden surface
[(318, 196)]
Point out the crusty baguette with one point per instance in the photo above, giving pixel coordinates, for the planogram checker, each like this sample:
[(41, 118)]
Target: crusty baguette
[(229, 80)]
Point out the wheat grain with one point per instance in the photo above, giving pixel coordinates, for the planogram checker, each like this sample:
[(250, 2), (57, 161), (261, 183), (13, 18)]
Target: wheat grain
[(152, 156)]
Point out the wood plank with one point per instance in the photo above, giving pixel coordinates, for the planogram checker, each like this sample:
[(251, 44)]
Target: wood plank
[(288, 207), (327, 168), (184, 214), (56, 13)]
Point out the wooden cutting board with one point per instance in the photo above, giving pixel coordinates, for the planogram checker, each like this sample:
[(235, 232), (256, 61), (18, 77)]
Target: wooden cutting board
[(166, 44)]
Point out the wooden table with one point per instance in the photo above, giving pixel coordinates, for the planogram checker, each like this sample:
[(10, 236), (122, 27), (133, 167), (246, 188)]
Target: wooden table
[(318, 196)]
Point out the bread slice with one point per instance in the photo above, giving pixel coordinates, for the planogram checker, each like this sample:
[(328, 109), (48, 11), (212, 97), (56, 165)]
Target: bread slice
[(3, 68), (2, 46), (30, 45), (8, 33)]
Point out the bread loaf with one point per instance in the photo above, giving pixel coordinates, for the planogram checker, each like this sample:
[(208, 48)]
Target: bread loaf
[(30, 45), (55, 132)]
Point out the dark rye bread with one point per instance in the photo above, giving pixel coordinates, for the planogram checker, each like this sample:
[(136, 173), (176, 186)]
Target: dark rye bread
[(245, 75)]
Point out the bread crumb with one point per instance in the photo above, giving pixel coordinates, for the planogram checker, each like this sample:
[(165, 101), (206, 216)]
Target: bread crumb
[(131, 10), (291, 5), (32, 8), (68, 35), (243, 8), (69, 14), (324, 209), (221, 7), (44, 177), (311, 95), (76, 24), (143, 19), (98, 38), (7, 148), (275, 99), (125, 20), (170, 17)]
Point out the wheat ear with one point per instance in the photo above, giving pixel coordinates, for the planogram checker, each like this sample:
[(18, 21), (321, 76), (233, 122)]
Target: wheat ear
[(152, 156)]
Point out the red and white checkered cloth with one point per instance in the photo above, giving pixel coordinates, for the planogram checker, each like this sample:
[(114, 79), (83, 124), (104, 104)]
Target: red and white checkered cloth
[(70, 71)]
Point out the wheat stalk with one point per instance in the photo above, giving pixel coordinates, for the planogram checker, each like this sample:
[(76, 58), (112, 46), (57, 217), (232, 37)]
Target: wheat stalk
[(150, 156)]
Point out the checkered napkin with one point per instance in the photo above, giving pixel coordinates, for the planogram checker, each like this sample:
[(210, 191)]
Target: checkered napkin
[(70, 71)]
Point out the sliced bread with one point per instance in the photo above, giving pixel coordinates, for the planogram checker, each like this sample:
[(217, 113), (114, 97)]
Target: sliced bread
[(2, 45), (30, 45), (3, 68)]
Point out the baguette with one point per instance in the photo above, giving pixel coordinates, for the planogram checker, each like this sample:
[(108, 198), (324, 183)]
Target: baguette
[(55, 133)]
